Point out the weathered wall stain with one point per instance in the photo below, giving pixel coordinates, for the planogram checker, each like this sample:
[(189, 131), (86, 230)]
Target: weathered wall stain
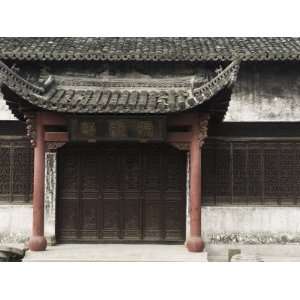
[(251, 224), (266, 92)]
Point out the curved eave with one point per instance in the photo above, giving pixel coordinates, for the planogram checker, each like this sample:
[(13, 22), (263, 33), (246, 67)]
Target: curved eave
[(51, 97)]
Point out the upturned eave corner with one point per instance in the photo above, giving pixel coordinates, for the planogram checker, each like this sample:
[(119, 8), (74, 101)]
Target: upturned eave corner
[(224, 78)]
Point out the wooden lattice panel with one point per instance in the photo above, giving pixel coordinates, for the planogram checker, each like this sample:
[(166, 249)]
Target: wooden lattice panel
[(16, 171), (251, 172)]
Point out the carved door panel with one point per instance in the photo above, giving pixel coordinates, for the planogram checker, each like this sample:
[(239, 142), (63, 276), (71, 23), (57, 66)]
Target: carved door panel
[(131, 169), (68, 202), (109, 183), (121, 192)]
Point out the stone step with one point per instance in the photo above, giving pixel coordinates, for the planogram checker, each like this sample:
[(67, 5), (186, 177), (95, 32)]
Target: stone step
[(116, 252)]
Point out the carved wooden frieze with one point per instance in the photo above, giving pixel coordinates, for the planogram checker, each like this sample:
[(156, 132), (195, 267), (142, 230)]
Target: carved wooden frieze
[(94, 129)]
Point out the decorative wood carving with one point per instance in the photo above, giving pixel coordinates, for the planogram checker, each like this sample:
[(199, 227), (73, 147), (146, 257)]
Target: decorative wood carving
[(86, 128), (54, 146), (16, 168), (203, 126), (181, 146), (30, 119)]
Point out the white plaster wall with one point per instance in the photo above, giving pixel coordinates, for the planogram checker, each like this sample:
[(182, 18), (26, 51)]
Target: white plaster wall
[(266, 94), (15, 222), (250, 223), (5, 113)]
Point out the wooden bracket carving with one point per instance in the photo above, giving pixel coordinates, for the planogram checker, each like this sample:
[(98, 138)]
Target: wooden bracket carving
[(181, 146), (202, 129), (30, 119), (54, 146)]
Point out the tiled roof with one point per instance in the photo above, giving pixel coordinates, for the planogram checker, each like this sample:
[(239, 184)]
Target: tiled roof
[(121, 95), (151, 49)]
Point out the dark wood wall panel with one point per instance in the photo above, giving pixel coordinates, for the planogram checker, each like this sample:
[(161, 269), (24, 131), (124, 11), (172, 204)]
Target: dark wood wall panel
[(223, 175), (241, 172), (255, 178), (16, 171)]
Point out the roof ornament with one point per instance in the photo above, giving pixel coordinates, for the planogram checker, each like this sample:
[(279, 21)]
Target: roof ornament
[(48, 82), (11, 78), (224, 78)]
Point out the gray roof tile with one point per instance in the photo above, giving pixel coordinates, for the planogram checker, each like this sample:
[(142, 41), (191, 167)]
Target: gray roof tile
[(151, 49)]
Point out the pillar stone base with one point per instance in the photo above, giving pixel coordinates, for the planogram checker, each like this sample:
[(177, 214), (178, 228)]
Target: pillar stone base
[(37, 243), (195, 244)]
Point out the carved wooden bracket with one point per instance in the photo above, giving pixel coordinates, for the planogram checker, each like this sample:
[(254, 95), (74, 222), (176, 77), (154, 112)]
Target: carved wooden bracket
[(180, 146), (202, 129), (30, 119), (54, 146)]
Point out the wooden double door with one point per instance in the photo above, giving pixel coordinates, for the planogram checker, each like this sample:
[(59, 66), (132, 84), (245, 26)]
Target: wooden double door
[(121, 193)]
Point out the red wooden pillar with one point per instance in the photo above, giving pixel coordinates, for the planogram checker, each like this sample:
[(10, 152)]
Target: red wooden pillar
[(194, 242), (37, 241)]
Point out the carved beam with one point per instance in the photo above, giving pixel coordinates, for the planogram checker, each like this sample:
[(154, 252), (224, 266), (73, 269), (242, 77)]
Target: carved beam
[(57, 137), (54, 119), (179, 140), (55, 140), (183, 119)]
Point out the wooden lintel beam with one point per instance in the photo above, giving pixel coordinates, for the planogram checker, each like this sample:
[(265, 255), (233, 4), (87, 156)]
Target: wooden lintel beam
[(186, 119), (56, 136), (180, 137), (53, 119)]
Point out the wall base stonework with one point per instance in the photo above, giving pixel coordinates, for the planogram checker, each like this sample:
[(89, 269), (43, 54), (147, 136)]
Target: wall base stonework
[(15, 223), (220, 225), (251, 224)]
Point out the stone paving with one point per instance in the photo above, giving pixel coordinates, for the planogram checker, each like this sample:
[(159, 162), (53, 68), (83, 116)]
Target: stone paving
[(171, 253), (116, 252)]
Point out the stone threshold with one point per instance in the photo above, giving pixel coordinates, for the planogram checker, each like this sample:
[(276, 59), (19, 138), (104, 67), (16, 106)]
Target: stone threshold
[(115, 253)]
